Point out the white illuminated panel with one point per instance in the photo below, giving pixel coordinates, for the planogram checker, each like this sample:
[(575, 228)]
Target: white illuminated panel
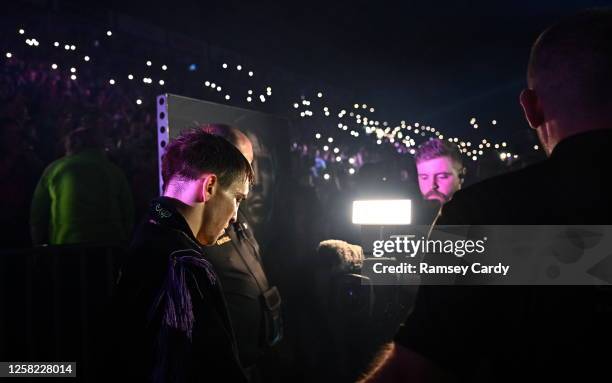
[(382, 212)]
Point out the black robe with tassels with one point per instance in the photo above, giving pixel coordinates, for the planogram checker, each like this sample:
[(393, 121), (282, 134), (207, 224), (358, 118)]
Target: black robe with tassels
[(169, 318)]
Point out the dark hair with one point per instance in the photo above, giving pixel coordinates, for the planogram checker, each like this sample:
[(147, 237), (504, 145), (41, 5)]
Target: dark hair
[(434, 148), (195, 152), (571, 62), (83, 138), (228, 132)]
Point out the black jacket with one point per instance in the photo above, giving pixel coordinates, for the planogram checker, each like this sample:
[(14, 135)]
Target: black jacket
[(524, 333), (169, 314), (236, 259)]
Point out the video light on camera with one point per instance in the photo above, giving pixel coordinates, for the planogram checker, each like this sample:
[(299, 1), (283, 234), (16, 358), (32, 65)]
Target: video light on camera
[(382, 212)]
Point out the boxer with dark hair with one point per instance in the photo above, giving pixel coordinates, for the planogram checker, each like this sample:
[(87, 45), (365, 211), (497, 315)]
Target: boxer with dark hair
[(171, 322)]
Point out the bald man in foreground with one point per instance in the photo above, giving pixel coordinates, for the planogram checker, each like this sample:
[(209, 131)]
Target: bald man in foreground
[(528, 333)]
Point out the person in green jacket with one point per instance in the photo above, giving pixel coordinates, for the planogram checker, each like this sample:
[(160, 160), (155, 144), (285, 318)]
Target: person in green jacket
[(82, 197)]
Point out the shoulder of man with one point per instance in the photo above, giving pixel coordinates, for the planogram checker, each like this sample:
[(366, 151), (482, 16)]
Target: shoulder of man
[(503, 199)]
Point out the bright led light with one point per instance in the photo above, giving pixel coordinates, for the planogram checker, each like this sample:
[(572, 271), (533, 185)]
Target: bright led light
[(138, 101), (268, 89), (111, 81), (227, 96), (338, 159), (130, 77), (296, 105), (161, 82), (326, 148), (249, 99), (351, 171), (219, 89), (250, 92), (73, 77), (504, 144), (382, 212), (213, 85), (371, 110), (72, 47), (109, 33), (250, 73), (53, 66), (86, 58), (473, 121), (336, 150), (9, 55), (164, 67), (356, 106), (224, 66), (536, 147), (73, 70), (474, 158), (67, 47), (502, 156), (326, 176), (262, 98), (56, 44), (149, 63), (319, 94), (239, 67), (494, 122), (330, 140), (475, 126), (21, 31), (318, 135)]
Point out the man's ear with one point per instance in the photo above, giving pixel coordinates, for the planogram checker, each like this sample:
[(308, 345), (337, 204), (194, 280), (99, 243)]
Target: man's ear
[(462, 174), (210, 185), (532, 108)]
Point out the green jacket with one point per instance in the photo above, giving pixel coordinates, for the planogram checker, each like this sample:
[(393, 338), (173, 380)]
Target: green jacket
[(82, 198)]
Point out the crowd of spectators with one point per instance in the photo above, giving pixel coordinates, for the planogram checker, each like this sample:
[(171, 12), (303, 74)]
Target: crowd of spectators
[(40, 107), (41, 104)]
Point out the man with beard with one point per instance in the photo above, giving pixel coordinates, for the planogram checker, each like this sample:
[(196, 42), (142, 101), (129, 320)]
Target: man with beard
[(529, 333), (439, 169)]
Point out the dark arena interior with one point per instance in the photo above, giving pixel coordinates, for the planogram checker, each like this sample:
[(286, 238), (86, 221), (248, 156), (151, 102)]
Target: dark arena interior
[(305, 192)]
